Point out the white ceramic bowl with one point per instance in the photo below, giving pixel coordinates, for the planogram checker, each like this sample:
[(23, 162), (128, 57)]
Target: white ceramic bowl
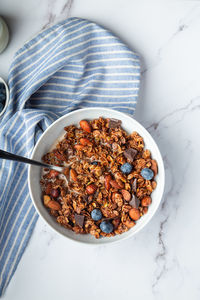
[(7, 97), (56, 130)]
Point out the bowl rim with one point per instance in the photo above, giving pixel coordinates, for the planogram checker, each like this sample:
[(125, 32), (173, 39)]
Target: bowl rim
[(7, 96), (161, 166)]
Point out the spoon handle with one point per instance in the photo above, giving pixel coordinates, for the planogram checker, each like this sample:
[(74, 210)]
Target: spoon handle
[(11, 156)]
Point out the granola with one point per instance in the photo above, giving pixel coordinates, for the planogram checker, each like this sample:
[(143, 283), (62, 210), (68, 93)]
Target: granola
[(108, 179)]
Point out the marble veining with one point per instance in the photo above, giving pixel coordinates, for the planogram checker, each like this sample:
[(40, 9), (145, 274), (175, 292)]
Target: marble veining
[(193, 104), (183, 25), (162, 261), (53, 15)]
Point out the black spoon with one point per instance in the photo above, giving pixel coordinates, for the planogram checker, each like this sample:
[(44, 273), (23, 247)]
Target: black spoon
[(11, 156)]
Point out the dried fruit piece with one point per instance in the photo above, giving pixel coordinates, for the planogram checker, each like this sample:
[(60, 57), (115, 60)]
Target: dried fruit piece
[(85, 142), (126, 195), (55, 193), (85, 126), (116, 222), (154, 167), (134, 214), (108, 178), (46, 200), (91, 189), (146, 201), (79, 147), (73, 175)]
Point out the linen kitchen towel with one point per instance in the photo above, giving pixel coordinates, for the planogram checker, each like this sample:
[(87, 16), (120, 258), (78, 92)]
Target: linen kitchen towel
[(74, 64)]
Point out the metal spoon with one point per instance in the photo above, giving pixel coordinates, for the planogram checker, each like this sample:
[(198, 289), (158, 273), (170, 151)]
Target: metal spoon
[(11, 156)]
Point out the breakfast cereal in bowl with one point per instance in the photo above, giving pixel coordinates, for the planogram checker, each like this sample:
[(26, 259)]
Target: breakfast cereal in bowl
[(107, 182)]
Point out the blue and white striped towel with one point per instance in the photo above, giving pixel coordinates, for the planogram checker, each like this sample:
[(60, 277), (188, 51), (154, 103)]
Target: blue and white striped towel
[(71, 65)]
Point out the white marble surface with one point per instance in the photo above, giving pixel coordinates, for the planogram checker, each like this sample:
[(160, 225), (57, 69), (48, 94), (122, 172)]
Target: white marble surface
[(162, 261)]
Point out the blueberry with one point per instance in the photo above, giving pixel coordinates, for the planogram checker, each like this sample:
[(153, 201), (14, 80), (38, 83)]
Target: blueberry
[(106, 226), (126, 168), (1, 106), (94, 163), (147, 173), (96, 214)]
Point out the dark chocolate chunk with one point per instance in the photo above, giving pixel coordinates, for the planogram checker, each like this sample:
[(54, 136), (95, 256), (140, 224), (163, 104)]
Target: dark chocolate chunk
[(79, 219), (114, 123), (135, 202), (134, 185), (130, 154)]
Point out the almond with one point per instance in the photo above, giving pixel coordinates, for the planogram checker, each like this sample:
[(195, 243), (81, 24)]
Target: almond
[(85, 142), (126, 195), (114, 184), (54, 205), (73, 175), (108, 178), (154, 184), (146, 201), (154, 167), (79, 147), (85, 126), (134, 213), (91, 189)]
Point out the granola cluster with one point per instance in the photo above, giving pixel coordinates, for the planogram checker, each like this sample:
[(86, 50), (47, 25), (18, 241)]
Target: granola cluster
[(102, 182)]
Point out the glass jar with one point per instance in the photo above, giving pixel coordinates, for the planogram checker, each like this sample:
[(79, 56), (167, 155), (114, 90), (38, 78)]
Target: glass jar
[(4, 35)]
